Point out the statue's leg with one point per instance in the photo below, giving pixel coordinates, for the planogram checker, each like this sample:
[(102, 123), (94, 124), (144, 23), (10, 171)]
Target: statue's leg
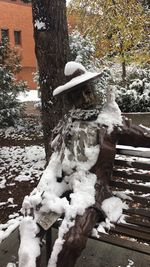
[(76, 238)]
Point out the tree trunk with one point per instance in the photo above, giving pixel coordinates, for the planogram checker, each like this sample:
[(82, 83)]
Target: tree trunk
[(123, 62), (124, 72), (52, 52)]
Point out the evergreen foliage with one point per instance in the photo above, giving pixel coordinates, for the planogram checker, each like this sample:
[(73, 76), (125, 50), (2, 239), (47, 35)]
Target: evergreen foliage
[(10, 108), (136, 96), (83, 51)]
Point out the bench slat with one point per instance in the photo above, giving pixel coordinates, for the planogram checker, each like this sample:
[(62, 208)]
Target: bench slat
[(138, 234), (126, 185), (123, 243), (143, 229), (138, 221), (133, 164), (140, 199), (131, 151), (131, 175), (140, 212)]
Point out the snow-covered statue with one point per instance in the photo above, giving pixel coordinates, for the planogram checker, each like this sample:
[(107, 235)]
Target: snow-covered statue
[(84, 147)]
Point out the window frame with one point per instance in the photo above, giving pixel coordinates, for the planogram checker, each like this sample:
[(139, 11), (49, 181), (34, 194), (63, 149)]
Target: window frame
[(18, 37), (6, 30)]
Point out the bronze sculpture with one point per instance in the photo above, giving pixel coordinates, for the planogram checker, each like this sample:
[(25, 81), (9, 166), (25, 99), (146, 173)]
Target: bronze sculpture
[(85, 129)]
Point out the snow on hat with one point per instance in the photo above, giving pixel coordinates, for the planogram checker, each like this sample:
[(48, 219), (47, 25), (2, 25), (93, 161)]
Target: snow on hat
[(77, 76)]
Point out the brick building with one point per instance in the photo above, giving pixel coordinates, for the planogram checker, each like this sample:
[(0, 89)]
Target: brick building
[(16, 24)]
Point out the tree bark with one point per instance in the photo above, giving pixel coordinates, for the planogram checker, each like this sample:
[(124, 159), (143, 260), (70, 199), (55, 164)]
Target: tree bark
[(124, 71), (123, 62), (52, 53)]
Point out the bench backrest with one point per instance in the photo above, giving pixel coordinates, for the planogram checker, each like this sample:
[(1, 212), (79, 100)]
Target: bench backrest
[(131, 175)]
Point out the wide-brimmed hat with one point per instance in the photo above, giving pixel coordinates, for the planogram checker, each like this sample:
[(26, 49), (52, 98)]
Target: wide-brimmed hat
[(77, 76)]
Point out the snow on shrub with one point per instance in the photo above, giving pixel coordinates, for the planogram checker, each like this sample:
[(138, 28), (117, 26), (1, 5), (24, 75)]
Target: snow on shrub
[(83, 50), (135, 96), (10, 108)]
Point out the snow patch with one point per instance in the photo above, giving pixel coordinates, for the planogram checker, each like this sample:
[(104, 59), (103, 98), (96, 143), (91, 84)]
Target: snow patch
[(130, 263), (31, 95), (73, 66), (75, 81), (40, 25), (113, 208), (29, 243), (110, 114), (11, 264)]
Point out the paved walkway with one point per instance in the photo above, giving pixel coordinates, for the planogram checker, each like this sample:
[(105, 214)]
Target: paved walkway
[(96, 254)]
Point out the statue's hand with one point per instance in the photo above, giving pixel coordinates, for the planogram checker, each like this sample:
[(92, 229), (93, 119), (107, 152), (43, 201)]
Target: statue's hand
[(27, 208)]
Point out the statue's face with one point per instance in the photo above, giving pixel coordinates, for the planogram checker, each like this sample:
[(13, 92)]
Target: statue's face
[(88, 98), (83, 98)]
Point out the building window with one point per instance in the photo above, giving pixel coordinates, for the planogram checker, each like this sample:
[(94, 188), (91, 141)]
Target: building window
[(5, 34), (17, 37)]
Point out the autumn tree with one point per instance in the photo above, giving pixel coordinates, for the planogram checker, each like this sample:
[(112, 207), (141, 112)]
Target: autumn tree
[(119, 28), (125, 23), (52, 50)]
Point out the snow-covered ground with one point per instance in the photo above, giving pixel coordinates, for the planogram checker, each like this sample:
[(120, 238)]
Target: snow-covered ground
[(32, 95), (26, 129), (17, 165), (24, 164)]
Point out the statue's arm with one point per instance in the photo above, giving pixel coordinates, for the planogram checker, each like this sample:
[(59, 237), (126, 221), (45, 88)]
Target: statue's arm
[(133, 135)]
